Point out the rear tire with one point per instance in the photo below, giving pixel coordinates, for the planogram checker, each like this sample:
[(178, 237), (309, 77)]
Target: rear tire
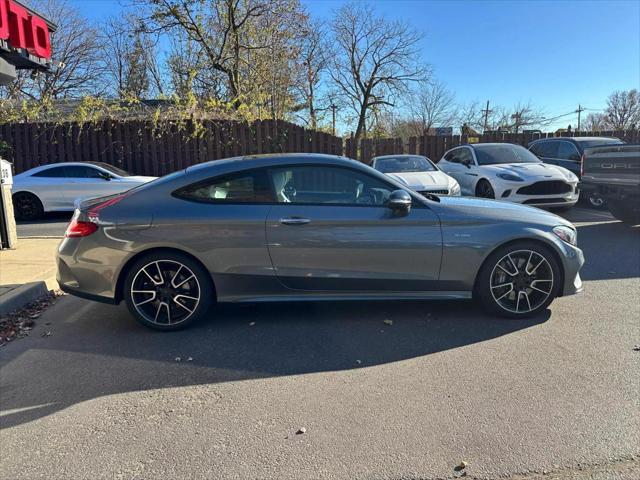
[(168, 291), (518, 280), (27, 206), (485, 190), (624, 213)]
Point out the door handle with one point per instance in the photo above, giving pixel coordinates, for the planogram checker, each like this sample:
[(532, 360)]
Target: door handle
[(295, 221), (472, 174)]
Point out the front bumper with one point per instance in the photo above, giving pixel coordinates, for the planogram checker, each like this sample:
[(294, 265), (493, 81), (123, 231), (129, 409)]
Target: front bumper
[(573, 260), (509, 192)]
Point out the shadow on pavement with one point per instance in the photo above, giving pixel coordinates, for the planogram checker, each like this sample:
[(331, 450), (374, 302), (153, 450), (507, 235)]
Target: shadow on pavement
[(98, 350), (611, 250)]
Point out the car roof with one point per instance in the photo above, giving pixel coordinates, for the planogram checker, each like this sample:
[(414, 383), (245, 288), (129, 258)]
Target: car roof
[(63, 164), (396, 155), (229, 165), (575, 139)]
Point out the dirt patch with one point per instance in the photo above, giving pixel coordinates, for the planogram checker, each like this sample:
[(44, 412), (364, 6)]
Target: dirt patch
[(19, 323)]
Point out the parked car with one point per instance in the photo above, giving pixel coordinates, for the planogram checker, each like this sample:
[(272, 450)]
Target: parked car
[(510, 172), (613, 171), (568, 152), (55, 187), (309, 227), (418, 173)]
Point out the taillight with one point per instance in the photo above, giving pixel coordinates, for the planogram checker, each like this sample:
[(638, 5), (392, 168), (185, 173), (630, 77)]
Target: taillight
[(94, 211), (80, 229)]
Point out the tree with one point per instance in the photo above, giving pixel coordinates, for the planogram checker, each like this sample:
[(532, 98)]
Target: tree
[(315, 55), (596, 122), (623, 110), (524, 115), (432, 105), (375, 60), (129, 59), (77, 68)]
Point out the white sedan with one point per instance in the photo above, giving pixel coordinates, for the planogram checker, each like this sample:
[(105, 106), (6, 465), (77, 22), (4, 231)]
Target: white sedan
[(505, 171), (55, 187), (418, 173)]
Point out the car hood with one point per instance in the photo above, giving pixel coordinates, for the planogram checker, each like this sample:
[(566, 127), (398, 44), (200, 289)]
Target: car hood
[(530, 171), (421, 180), (483, 210)]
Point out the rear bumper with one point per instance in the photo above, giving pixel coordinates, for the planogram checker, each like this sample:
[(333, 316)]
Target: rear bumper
[(87, 296)]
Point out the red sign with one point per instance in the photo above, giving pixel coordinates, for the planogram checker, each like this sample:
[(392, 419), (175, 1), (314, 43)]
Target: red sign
[(24, 30)]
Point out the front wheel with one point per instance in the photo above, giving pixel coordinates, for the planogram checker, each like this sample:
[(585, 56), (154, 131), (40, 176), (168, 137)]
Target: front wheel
[(518, 280), (27, 206), (168, 290), (485, 190)]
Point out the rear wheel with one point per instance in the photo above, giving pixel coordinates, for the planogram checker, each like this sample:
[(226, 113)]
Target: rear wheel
[(595, 200), (518, 280), (168, 291), (484, 190), (624, 212), (27, 206)]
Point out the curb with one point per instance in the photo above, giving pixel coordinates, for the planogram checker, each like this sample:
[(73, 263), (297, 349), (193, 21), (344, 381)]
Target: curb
[(20, 296)]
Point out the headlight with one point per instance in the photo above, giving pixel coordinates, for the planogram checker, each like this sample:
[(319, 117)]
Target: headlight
[(570, 176), (454, 188), (510, 176), (566, 234)]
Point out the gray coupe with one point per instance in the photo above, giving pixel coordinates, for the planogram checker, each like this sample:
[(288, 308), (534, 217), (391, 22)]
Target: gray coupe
[(309, 227)]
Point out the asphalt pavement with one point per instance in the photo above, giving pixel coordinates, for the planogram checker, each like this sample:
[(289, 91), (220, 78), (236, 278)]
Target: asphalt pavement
[(553, 397)]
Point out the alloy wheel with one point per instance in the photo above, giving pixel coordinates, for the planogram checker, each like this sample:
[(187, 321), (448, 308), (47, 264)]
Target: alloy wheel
[(521, 281), (165, 292), (485, 190)]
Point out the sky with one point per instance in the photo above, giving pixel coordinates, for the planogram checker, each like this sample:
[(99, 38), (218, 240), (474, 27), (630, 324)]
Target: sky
[(554, 54)]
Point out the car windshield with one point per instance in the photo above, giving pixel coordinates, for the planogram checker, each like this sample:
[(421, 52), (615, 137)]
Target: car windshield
[(495, 154), (404, 164), (112, 169), (600, 141)]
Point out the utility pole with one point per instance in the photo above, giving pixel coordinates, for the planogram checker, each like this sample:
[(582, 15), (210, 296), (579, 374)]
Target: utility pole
[(486, 112), (579, 111), (333, 115)]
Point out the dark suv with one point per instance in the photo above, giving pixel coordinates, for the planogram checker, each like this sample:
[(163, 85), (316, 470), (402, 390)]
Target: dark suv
[(568, 152)]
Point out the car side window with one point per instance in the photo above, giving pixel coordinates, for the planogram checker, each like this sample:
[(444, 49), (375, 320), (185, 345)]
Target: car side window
[(245, 187), (328, 185), (79, 171), (545, 149), (464, 156), (568, 151), (54, 172), (452, 156)]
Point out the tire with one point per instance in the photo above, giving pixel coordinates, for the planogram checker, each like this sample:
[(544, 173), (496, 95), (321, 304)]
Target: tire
[(624, 213), (596, 201), (27, 206), (484, 189), (179, 291), (536, 265)]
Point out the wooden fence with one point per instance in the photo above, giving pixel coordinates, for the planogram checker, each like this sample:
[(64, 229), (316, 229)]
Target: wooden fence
[(434, 147), (143, 148)]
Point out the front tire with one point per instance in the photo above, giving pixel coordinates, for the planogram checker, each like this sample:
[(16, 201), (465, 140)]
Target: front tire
[(624, 213), (518, 280), (168, 291), (27, 206), (485, 190)]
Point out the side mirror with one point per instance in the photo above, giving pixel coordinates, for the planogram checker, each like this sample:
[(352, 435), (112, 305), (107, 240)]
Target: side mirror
[(466, 162), (400, 202), (105, 176)]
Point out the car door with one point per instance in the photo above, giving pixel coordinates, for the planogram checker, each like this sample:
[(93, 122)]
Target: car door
[(46, 185), (86, 181), (330, 230), (450, 164)]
